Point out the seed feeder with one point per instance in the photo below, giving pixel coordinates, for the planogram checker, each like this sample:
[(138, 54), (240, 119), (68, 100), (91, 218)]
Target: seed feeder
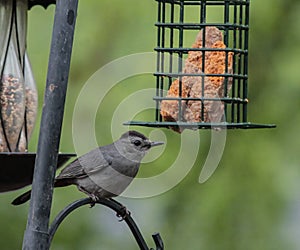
[(202, 65), (18, 97)]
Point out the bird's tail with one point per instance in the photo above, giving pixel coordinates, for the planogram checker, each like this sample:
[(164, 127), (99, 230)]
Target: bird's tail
[(26, 196), (22, 198)]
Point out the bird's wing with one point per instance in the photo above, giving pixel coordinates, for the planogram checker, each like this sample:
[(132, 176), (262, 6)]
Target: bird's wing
[(85, 165)]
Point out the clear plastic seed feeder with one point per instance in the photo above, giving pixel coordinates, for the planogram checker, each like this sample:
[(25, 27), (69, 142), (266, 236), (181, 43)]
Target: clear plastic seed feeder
[(18, 96), (202, 65)]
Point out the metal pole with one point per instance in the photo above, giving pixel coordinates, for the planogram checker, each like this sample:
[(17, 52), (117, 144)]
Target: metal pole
[(36, 234)]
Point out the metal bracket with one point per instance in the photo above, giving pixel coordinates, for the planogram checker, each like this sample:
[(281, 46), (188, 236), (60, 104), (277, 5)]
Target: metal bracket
[(119, 209)]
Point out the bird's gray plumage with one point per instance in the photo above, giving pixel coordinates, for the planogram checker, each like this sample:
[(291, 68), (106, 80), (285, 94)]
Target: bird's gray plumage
[(105, 171)]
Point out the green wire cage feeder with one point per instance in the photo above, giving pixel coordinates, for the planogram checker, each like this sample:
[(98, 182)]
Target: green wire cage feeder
[(202, 65)]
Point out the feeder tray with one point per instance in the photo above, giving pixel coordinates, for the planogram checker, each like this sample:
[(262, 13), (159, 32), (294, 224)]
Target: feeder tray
[(199, 125), (202, 65), (16, 169)]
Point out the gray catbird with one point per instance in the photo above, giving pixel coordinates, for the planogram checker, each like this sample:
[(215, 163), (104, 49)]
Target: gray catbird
[(106, 171)]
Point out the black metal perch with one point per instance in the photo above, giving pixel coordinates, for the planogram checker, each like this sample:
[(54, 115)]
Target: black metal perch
[(118, 208)]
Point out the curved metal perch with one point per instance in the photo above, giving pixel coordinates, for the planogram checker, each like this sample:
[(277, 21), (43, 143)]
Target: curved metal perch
[(118, 208)]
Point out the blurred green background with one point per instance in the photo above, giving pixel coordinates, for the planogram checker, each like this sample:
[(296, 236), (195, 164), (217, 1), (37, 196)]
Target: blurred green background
[(251, 202)]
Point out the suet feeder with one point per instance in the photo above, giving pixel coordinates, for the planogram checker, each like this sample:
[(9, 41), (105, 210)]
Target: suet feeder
[(202, 65)]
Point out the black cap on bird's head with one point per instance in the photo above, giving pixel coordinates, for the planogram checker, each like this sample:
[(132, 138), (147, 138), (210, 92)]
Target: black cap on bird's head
[(133, 133), (139, 140)]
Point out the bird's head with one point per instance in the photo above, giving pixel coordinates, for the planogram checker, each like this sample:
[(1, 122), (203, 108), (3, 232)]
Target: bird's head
[(134, 145)]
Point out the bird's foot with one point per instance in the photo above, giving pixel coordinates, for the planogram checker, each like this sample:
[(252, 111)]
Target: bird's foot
[(94, 200), (123, 213)]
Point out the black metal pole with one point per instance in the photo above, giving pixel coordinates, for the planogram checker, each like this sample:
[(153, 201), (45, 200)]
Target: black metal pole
[(36, 234)]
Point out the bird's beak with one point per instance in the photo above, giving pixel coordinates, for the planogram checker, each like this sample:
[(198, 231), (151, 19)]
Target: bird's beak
[(156, 143)]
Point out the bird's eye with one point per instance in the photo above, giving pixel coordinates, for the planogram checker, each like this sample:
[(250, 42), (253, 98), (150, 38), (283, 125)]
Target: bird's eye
[(137, 143)]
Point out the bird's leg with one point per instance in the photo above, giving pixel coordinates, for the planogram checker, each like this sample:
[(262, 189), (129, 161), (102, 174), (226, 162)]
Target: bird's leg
[(123, 211), (94, 198)]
